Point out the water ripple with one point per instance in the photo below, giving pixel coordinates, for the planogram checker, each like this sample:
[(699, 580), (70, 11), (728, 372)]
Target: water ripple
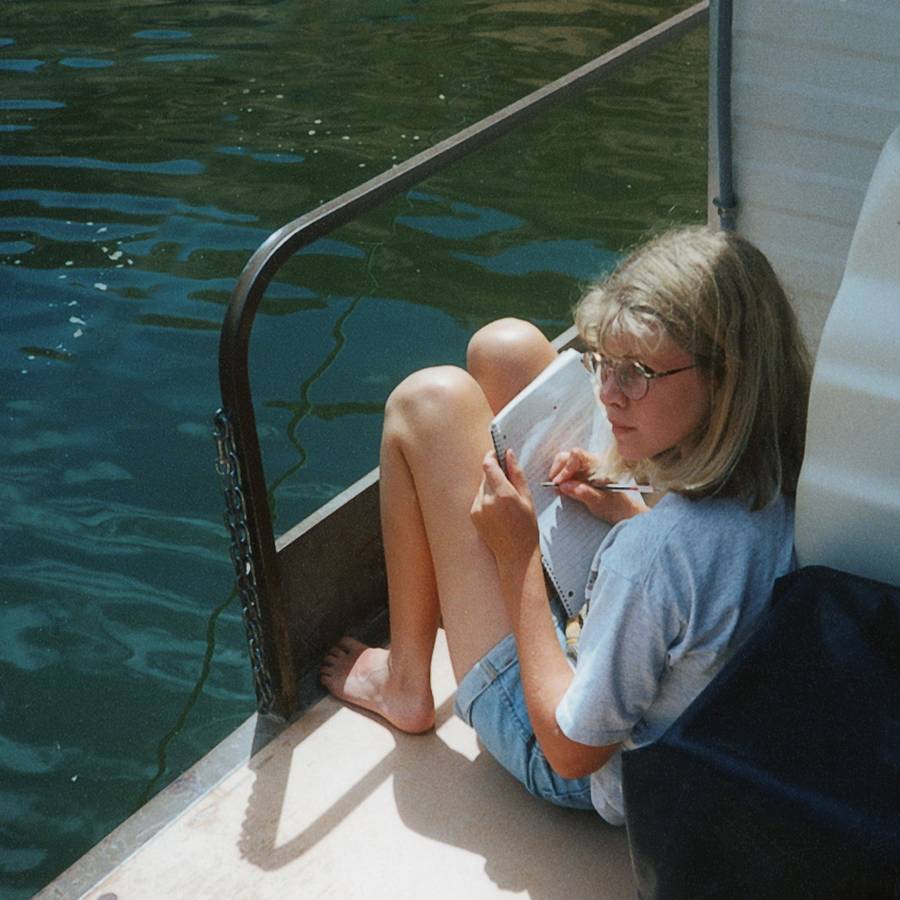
[(32, 104), (162, 34), (135, 204), (21, 65), (179, 57), (463, 221), (67, 231), (583, 259), (95, 527), (14, 248), (86, 62), (168, 167)]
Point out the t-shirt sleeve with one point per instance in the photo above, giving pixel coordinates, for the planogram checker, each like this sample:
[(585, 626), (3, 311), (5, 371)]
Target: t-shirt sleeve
[(622, 656)]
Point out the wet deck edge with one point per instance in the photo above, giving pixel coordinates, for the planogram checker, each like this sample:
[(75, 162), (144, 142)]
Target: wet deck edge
[(163, 809)]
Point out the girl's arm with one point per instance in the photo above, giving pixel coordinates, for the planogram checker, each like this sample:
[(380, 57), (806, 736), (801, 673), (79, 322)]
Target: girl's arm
[(504, 516)]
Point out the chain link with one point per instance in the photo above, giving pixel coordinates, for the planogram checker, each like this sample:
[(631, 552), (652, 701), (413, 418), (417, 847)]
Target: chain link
[(228, 467)]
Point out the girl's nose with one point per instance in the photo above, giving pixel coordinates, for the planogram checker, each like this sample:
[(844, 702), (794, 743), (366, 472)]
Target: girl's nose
[(610, 392)]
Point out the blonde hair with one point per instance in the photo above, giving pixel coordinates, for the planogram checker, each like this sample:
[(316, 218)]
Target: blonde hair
[(717, 297)]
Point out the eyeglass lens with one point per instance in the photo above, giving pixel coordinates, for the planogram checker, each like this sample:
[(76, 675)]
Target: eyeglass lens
[(631, 381)]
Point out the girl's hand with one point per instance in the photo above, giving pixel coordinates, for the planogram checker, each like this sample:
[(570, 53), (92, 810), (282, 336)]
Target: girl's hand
[(573, 465), (503, 511), (610, 506), (571, 471)]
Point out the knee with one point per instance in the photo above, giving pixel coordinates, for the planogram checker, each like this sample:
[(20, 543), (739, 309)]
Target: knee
[(503, 342), (430, 398), (505, 355)]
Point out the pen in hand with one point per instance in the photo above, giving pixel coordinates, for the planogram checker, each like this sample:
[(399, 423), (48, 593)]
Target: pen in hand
[(608, 486)]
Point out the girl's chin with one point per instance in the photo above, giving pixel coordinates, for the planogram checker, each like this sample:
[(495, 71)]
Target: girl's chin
[(635, 451), (627, 451)]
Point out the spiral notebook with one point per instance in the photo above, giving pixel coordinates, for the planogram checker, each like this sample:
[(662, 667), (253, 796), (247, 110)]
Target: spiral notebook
[(556, 412)]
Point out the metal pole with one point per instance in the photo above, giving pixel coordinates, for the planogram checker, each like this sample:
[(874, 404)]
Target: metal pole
[(726, 203)]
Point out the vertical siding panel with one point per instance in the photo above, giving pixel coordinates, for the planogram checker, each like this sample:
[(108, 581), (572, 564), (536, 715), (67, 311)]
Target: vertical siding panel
[(816, 93)]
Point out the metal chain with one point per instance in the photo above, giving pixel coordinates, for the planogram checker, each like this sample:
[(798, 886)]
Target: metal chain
[(228, 467)]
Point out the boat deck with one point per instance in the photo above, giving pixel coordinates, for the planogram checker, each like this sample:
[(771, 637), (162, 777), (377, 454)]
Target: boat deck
[(339, 805)]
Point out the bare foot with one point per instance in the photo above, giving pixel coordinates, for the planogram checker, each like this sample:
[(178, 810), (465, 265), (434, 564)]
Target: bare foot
[(362, 676)]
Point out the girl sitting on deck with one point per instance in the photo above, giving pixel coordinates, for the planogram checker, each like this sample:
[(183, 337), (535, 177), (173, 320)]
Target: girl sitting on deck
[(704, 378)]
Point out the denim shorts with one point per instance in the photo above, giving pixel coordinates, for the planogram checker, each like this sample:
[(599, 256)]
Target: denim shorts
[(490, 699)]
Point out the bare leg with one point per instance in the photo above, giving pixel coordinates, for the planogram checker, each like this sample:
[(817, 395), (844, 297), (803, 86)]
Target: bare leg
[(504, 356), (435, 435), (439, 571)]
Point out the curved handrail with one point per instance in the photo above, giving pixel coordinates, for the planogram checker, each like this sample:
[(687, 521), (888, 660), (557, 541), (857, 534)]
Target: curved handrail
[(237, 404)]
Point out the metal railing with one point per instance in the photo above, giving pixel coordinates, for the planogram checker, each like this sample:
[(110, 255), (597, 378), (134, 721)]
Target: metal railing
[(240, 463)]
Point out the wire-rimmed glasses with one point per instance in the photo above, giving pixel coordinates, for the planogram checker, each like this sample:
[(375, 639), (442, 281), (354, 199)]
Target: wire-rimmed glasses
[(632, 377)]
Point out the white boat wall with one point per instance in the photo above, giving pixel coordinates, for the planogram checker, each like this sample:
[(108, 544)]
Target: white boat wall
[(815, 92), (848, 498)]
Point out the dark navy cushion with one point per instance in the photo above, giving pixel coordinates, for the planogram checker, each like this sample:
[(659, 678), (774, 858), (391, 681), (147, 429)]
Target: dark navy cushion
[(782, 779)]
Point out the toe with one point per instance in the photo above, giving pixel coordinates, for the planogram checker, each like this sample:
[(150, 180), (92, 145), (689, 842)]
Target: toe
[(351, 646)]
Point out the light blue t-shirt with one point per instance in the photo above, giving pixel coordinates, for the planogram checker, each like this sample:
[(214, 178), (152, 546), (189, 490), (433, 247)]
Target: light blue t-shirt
[(673, 593)]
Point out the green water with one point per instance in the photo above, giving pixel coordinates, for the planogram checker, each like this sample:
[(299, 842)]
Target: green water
[(147, 150)]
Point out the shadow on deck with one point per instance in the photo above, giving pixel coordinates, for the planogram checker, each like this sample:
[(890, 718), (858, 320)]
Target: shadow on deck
[(339, 805)]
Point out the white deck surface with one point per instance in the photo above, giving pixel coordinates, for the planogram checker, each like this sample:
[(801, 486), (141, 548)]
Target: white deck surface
[(339, 805)]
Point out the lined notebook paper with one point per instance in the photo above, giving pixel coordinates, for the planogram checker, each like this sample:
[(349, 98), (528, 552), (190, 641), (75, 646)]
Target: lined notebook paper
[(557, 411)]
